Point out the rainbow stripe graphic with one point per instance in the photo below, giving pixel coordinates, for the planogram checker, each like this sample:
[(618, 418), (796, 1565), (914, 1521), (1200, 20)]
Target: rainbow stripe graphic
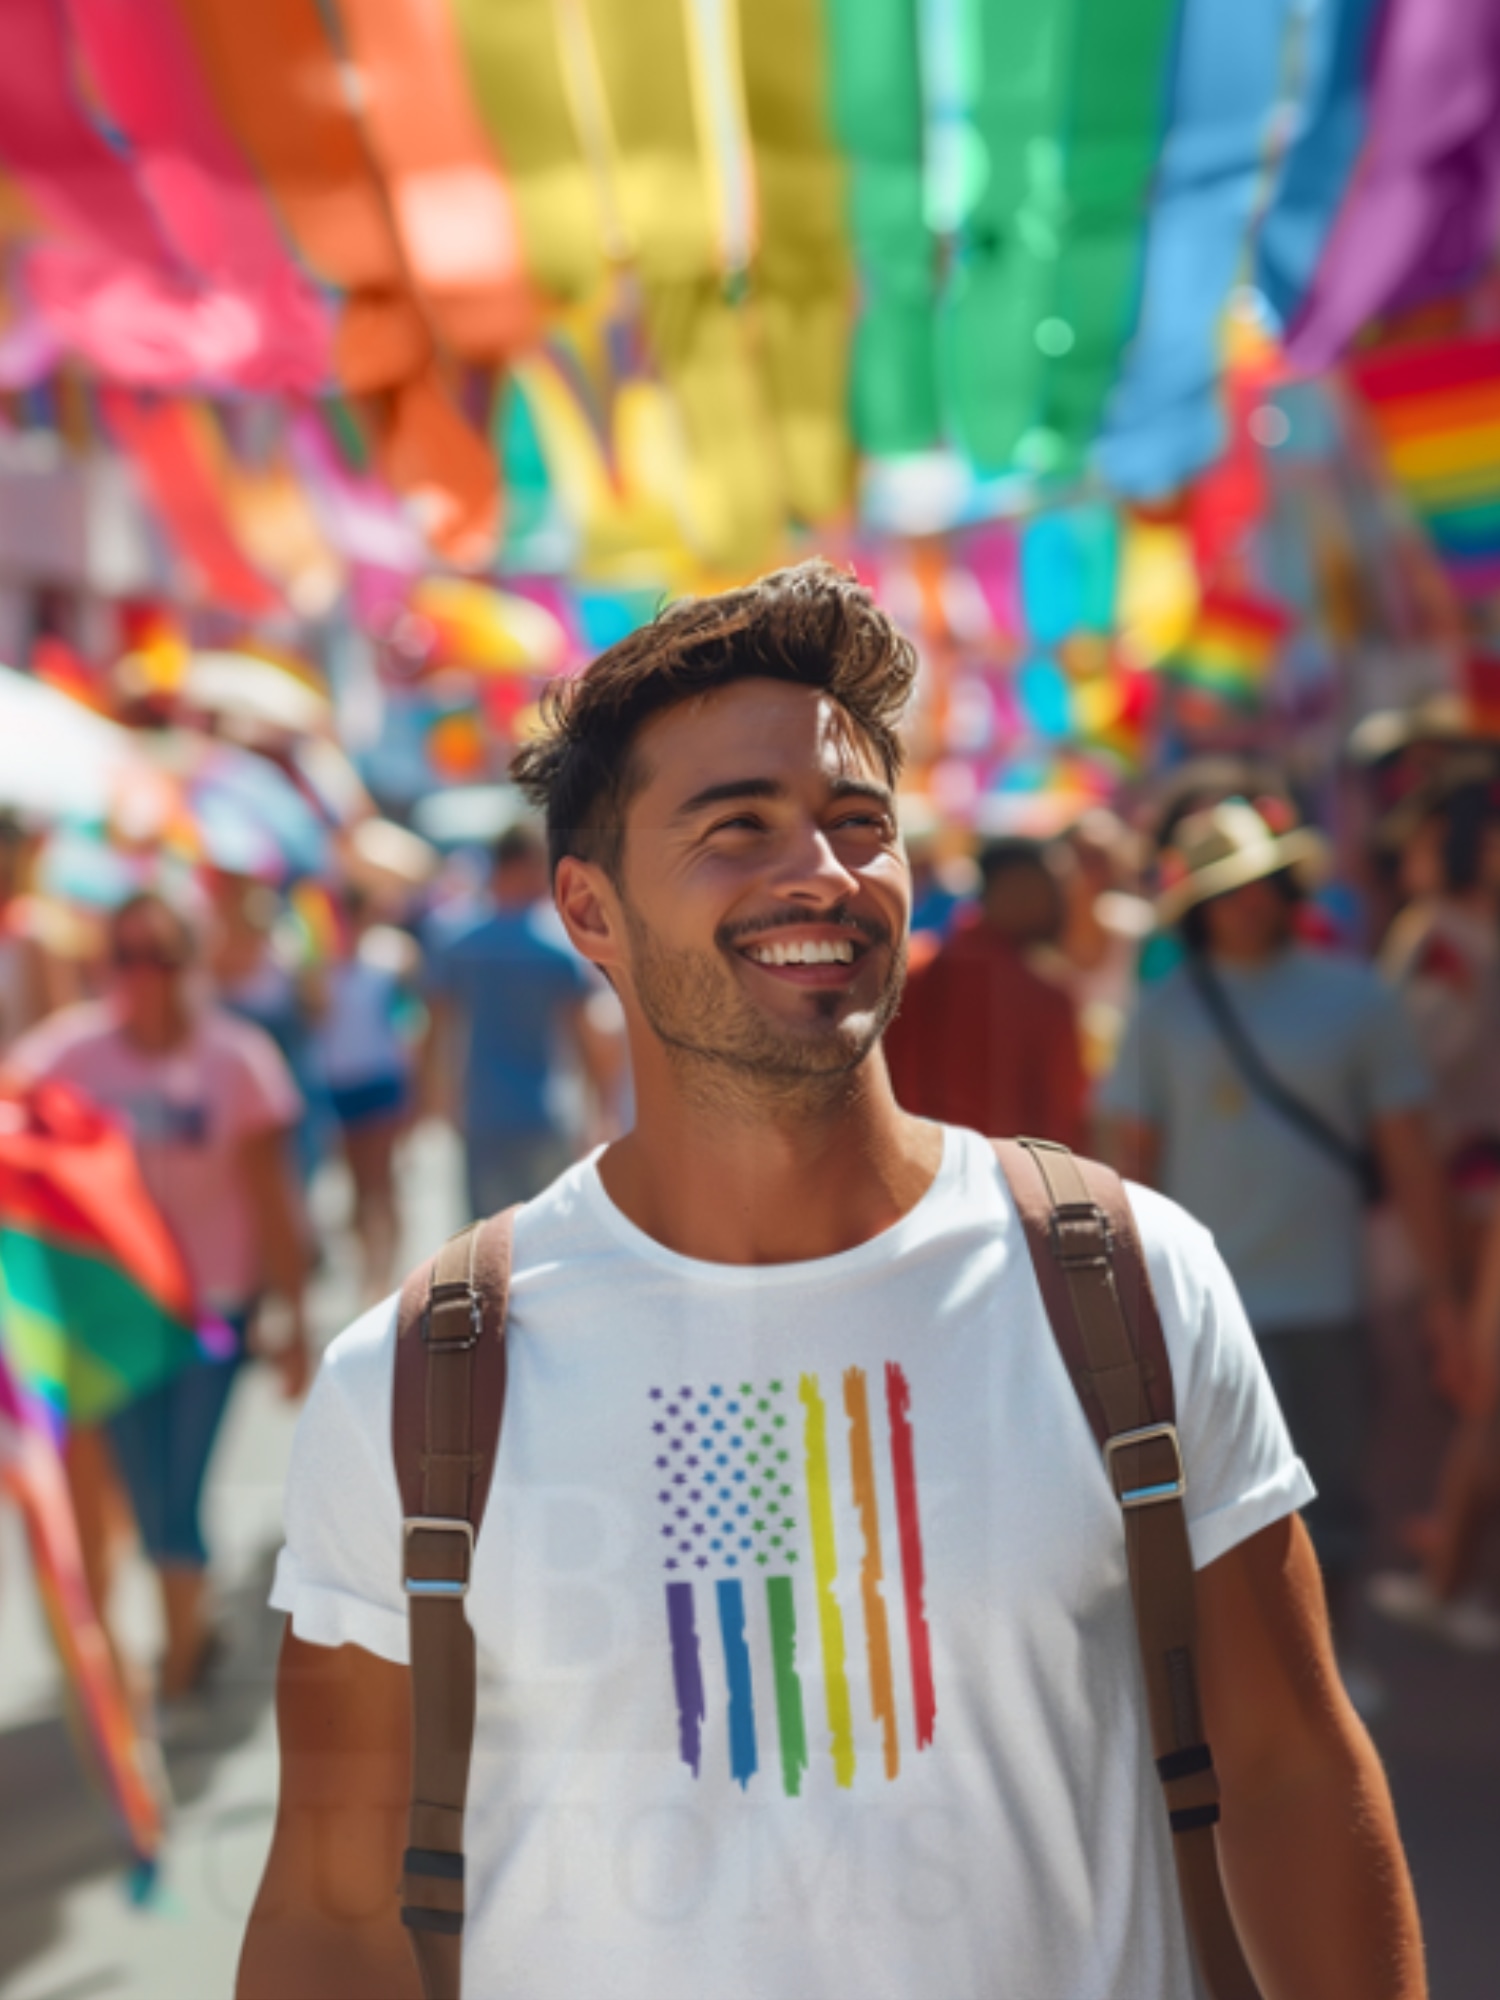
[(754, 1481)]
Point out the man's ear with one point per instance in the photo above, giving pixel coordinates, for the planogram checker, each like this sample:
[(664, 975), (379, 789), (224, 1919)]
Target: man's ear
[(587, 904)]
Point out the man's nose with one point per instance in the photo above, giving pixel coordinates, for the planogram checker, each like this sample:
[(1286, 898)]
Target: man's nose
[(809, 867)]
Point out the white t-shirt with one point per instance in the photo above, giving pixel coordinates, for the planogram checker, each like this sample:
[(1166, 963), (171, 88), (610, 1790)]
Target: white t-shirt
[(806, 1652)]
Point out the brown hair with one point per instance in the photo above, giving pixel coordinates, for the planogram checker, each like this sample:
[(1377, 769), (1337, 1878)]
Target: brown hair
[(813, 625)]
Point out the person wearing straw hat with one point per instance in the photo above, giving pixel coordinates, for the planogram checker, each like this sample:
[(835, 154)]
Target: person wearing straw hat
[(1270, 1089)]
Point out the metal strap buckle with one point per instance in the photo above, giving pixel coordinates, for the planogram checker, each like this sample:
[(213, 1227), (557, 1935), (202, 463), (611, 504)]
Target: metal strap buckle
[(448, 1295), (1163, 1490), (1081, 1215), (437, 1586)]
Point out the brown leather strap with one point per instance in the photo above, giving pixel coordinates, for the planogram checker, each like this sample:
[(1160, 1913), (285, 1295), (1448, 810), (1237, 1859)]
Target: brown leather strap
[(447, 1409), (1097, 1292)]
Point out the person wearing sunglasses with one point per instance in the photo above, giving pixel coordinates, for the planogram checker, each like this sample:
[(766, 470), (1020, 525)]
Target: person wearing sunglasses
[(209, 1103)]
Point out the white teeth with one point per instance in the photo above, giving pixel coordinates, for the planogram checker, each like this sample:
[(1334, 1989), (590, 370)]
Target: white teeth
[(814, 952)]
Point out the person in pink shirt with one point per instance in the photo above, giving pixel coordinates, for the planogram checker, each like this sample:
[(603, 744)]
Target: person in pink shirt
[(209, 1103)]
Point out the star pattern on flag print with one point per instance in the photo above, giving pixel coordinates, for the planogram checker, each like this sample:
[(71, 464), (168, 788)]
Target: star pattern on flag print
[(727, 1494)]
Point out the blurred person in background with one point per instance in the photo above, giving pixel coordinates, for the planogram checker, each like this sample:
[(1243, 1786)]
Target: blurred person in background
[(209, 1103), (1442, 954), (513, 1051), (984, 1039), (32, 982), (364, 1051), (1106, 920), (1255, 1085), (263, 972)]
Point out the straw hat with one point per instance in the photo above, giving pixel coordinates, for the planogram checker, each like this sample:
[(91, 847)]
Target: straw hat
[(1227, 846)]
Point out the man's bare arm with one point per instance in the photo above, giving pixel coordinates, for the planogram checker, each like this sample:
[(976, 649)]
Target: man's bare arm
[(326, 1924), (1312, 1859)]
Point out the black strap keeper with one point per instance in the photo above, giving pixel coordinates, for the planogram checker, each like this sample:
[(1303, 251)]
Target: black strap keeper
[(449, 1922), (433, 1861), (1184, 1763), (1188, 1819)]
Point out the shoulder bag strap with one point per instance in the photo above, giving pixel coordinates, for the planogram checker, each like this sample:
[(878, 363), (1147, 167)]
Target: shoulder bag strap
[(448, 1403), (1263, 1081), (1097, 1292)]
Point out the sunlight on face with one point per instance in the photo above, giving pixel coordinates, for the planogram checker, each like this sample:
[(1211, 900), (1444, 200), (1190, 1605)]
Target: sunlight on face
[(764, 886)]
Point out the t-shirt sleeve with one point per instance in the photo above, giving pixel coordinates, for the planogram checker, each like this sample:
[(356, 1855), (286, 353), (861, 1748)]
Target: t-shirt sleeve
[(1393, 1074), (1242, 1473), (260, 1094), (1132, 1088), (338, 1577)]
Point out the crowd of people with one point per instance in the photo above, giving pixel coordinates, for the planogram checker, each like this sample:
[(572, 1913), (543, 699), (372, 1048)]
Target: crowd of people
[(1179, 991), (240, 1062)]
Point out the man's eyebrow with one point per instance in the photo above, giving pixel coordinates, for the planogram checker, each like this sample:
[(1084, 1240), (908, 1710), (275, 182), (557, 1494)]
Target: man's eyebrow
[(731, 788), (734, 789), (863, 788)]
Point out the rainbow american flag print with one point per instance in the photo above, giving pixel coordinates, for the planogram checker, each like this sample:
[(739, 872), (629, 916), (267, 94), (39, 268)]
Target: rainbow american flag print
[(753, 1482)]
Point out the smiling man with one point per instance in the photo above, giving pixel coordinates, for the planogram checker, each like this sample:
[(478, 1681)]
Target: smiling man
[(806, 1658)]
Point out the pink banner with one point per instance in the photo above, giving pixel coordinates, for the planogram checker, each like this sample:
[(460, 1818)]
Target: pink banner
[(199, 186), (115, 285)]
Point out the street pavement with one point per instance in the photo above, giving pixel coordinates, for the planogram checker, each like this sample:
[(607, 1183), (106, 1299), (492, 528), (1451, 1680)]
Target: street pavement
[(69, 1931)]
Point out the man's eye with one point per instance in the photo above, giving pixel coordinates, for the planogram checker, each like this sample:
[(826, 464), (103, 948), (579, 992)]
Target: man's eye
[(876, 822), (739, 823)]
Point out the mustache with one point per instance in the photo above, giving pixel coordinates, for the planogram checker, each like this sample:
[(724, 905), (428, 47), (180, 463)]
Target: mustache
[(870, 930)]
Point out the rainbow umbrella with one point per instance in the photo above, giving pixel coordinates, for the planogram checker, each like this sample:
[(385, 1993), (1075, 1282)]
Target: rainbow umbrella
[(95, 1302), (31, 1474)]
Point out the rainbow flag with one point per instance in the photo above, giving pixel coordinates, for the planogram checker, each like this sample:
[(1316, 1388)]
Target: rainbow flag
[(1232, 648), (126, 1763), (754, 1480), (95, 1303), (1435, 410)]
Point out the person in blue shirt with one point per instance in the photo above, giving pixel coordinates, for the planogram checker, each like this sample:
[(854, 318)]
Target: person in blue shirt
[(513, 1058), (1281, 1187)]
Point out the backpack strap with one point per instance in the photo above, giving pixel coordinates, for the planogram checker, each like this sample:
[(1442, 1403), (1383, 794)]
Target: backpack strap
[(448, 1402), (1097, 1291)]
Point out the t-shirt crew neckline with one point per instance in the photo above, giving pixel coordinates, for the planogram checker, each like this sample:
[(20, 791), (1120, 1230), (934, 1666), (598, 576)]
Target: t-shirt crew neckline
[(876, 1250)]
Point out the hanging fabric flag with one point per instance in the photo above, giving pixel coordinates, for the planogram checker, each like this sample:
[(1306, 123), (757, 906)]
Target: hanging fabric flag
[(159, 440), (663, 191), (1337, 57), (876, 76), (1165, 417), (108, 286), (281, 89), (1068, 101), (1420, 215), (452, 209), (199, 187), (521, 90), (803, 275), (360, 518), (1436, 412)]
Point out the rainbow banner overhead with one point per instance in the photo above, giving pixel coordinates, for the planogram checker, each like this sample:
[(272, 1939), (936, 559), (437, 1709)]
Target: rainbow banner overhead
[(754, 1564), (95, 1305), (1435, 410)]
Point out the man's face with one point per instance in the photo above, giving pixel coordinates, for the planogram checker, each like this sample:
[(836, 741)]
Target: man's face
[(150, 958), (1251, 922), (765, 895)]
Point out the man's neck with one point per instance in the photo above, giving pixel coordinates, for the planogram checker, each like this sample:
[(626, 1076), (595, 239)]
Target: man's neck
[(780, 1184)]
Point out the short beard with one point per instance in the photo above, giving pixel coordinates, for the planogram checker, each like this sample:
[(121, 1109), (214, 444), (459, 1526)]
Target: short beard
[(729, 1056)]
